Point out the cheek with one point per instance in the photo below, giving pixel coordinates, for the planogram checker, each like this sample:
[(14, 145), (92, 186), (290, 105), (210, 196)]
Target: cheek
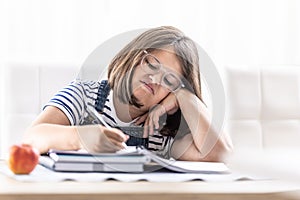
[(149, 100), (139, 93), (161, 94), (163, 91), (138, 75), (135, 82)]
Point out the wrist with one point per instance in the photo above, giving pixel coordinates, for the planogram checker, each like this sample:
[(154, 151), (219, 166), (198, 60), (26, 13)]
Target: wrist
[(77, 143), (181, 92)]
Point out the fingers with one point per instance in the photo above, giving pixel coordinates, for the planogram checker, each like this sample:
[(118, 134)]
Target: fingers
[(152, 121), (150, 126), (155, 121), (115, 134), (99, 139), (115, 137), (141, 119), (146, 128)]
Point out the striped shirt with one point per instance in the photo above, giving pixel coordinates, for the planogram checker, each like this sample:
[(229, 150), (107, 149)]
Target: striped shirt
[(72, 100)]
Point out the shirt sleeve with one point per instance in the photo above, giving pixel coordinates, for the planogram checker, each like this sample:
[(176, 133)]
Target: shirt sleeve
[(72, 99)]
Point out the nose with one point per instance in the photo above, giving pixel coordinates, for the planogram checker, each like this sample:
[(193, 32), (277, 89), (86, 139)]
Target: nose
[(156, 78)]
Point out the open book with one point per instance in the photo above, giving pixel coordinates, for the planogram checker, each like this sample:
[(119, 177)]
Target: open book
[(133, 159)]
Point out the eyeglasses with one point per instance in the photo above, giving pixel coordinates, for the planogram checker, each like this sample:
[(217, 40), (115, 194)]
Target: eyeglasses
[(151, 65)]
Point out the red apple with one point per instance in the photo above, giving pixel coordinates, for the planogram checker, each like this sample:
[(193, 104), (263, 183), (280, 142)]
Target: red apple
[(23, 158)]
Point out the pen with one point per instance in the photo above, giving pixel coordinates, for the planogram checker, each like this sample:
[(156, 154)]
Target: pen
[(95, 112)]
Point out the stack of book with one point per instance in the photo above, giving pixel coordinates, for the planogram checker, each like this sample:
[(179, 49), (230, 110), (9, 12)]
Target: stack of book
[(134, 159), (85, 162)]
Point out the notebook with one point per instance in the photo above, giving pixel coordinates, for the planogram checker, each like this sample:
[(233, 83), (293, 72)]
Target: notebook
[(82, 161), (133, 159)]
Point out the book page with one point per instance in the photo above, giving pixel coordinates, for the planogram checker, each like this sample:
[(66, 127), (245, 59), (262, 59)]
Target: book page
[(188, 166)]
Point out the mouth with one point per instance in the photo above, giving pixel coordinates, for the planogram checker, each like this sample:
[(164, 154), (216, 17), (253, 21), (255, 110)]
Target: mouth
[(148, 87)]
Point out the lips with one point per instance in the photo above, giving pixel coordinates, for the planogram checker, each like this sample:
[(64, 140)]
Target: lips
[(148, 86)]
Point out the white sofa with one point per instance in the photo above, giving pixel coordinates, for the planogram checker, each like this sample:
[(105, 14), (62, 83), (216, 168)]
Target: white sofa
[(263, 109), (263, 105), (26, 88)]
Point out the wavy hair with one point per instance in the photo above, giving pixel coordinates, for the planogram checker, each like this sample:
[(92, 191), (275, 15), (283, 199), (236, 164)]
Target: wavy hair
[(121, 68)]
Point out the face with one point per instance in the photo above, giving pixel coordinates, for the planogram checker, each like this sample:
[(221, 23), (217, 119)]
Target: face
[(148, 87)]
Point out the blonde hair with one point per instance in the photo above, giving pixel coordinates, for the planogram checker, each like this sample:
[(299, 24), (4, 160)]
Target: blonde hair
[(121, 68)]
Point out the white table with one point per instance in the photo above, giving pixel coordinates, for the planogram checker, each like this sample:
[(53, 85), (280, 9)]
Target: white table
[(143, 190)]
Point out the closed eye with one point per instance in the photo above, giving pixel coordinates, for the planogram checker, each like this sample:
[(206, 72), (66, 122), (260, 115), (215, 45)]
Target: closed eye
[(168, 82), (151, 66)]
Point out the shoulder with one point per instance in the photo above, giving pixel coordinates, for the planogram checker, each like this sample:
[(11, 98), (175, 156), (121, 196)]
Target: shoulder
[(89, 89), (90, 85)]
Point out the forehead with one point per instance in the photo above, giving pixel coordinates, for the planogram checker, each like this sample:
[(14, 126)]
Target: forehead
[(168, 59)]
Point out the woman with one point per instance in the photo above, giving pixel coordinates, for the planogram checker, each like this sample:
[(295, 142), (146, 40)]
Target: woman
[(155, 75)]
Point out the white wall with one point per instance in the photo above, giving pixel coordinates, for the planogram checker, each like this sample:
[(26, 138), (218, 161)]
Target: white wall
[(233, 32)]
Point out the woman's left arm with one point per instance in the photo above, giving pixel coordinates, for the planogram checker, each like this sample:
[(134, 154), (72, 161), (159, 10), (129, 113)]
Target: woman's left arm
[(205, 143)]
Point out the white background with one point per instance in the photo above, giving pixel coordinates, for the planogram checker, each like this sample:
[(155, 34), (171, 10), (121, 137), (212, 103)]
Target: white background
[(232, 32)]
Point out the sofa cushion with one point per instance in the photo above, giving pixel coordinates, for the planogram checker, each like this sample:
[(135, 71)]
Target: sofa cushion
[(27, 87), (263, 106)]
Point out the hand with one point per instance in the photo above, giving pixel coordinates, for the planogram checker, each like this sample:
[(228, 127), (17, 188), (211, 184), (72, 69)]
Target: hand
[(99, 139), (151, 119)]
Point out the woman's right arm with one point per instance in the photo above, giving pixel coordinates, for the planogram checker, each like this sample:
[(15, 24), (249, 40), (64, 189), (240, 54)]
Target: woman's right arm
[(52, 130)]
